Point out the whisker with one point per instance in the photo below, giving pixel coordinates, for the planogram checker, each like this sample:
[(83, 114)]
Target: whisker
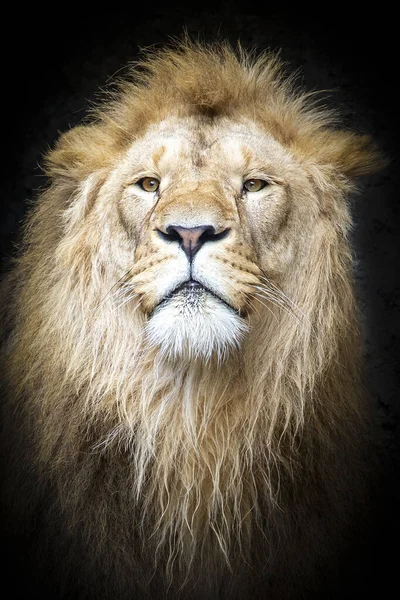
[(282, 294), (265, 306), (270, 293), (126, 300), (121, 279), (279, 304), (278, 300), (273, 287), (256, 309)]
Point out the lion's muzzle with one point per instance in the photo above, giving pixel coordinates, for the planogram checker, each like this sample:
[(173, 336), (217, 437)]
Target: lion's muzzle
[(191, 239)]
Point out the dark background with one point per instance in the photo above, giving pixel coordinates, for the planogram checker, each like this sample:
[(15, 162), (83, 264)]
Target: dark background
[(54, 64)]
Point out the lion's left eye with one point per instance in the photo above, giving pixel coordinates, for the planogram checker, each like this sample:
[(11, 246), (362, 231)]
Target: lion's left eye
[(149, 184), (254, 185)]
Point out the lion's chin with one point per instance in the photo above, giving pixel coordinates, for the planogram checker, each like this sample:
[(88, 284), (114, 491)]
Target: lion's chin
[(195, 325)]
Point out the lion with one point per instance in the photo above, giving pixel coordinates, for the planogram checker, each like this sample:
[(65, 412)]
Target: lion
[(184, 414)]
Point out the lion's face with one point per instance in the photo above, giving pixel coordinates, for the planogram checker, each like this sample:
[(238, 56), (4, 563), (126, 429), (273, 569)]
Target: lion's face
[(201, 212)]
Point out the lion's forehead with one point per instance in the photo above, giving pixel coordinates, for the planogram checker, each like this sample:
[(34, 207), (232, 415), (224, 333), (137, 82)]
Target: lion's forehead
[(202, 147)]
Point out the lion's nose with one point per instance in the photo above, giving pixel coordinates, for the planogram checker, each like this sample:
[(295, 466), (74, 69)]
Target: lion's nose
[(192, 239)]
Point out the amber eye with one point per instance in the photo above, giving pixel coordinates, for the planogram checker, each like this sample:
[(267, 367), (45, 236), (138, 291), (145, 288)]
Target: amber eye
[(149, 184), (254, 185)]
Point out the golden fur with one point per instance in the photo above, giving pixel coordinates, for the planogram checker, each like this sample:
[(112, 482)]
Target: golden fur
[(201, 468)]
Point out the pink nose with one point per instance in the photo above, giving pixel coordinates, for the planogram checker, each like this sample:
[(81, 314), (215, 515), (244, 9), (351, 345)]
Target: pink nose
[(192, 239)]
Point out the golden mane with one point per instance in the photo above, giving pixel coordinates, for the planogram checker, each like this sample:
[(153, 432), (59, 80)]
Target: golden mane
[(196, 79), (190, 468)]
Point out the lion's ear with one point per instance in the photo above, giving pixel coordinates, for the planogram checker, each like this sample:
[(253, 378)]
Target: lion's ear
[(348, 153), (80, 152)]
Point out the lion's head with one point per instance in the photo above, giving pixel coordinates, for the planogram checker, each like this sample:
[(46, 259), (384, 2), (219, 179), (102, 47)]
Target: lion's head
[(184, 309)]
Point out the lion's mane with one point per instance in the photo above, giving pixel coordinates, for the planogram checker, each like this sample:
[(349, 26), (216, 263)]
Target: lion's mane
[(147, 475)]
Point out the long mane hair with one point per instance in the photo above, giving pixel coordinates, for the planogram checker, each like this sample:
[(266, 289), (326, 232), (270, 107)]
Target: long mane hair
[(194, 460)]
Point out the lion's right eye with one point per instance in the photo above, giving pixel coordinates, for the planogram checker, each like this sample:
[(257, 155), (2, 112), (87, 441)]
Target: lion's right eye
[(254, 185), (149, 184)]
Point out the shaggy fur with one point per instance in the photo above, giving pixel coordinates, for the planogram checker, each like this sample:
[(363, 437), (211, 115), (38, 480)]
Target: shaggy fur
[(167, 448)]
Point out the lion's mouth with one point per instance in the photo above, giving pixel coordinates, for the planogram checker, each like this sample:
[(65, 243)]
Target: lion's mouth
[(191, 287), (192, 291)]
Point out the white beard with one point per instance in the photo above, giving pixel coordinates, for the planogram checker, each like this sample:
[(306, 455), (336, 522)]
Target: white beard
[(195, 325)]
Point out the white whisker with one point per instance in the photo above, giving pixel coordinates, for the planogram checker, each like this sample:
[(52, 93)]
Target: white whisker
[(283, 295), (279, 304)]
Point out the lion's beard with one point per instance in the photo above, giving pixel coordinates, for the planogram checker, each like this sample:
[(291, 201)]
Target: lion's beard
[(195, 325)]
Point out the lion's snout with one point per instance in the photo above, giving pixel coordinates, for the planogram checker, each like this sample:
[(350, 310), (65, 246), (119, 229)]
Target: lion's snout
[(191, 239)]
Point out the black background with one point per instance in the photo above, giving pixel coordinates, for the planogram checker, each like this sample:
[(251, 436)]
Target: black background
[(54, 63)]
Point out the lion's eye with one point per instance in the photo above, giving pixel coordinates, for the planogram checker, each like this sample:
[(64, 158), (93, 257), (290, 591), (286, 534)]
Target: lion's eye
[(254, 185), (149, 184)]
